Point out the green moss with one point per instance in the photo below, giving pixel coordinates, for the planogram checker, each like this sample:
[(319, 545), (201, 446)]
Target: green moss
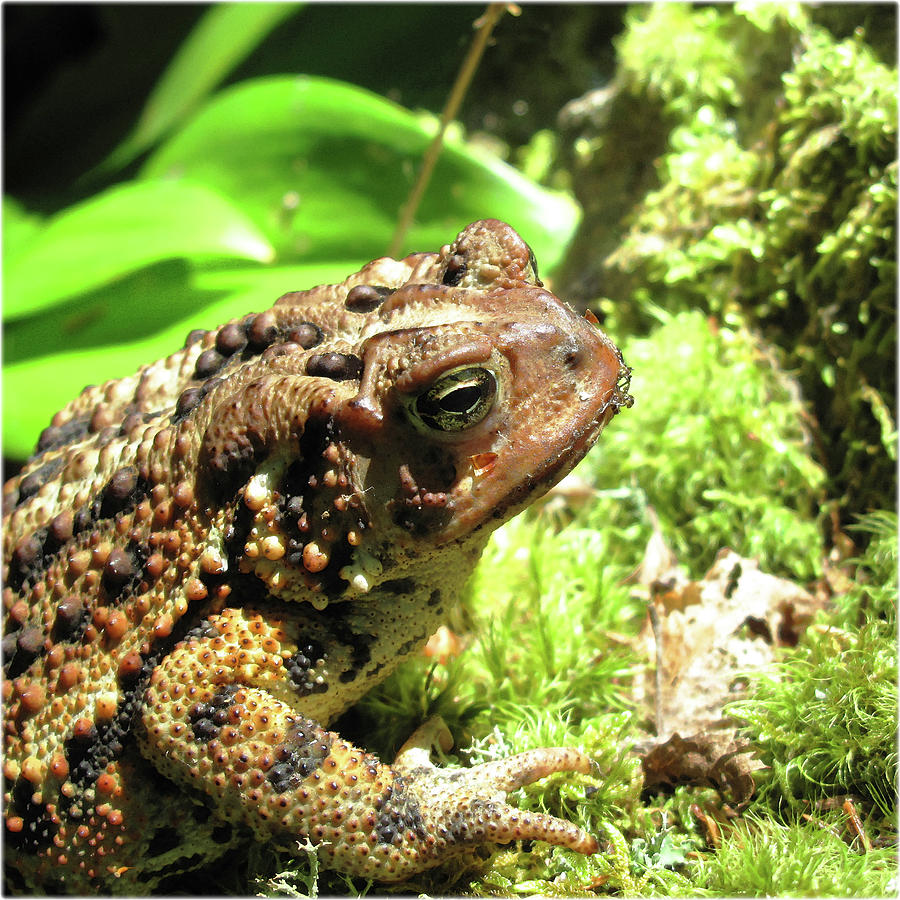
[(826, 719), (764, 859), (777, 199), (716, 445)]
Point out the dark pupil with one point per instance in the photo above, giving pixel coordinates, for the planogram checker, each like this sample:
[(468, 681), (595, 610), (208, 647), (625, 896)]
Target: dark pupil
[(462, 399), (458, 400)]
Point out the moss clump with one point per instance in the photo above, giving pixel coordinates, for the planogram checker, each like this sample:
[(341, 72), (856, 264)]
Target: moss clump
[(777, 200), (715, 444), (826, 719), (764, 859)]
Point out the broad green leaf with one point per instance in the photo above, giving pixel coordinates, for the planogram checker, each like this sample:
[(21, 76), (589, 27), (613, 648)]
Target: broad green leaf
[(49, 359), (152, 300), (121, 230), (224, 36), (20, 228), (323, 168)]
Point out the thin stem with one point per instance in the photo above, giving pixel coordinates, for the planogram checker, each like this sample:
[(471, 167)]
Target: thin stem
[(485, 25)]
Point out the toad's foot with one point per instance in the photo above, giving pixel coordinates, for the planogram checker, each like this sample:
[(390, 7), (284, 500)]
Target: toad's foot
[(462, 807)]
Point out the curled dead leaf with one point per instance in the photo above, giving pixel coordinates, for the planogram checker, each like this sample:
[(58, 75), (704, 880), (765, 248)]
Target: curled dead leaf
[(713, 760)]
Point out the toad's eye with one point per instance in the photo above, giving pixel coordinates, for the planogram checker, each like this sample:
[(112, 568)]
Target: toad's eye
[(457, 400)]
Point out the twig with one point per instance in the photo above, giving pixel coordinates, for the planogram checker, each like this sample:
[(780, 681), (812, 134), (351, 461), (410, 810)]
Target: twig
[(856, 825), (485, 25)]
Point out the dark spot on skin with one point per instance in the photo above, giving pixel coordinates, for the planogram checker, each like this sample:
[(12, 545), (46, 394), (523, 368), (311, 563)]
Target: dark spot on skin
[(163, 840), (8, 646), (24, 648), (399, 586), (305, 748), (35, 480), (133, 419), (127, 569), (28, 551), (30, 641), (202, 631), (399, 813), (411, 644), (193, 336), (306, 334), (236, 533), (262, 329), (222, 834), (208, 363), (122, 492), (304, 496), (419, 521), (55, 436), (71, 619), (187, 401), (208, 718), (10, 498), (340, 626), (301, 668), (455, 270), (435, 598), (119, 572), (364, 298), (82, 520), (336, 366), (200, 813), (106, 436), (293, 508), (77, 748), (230, 339), (27, 559), (60, 529), (90, 754)]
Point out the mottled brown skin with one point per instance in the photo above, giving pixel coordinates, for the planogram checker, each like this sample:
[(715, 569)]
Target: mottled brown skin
[(205, 563)]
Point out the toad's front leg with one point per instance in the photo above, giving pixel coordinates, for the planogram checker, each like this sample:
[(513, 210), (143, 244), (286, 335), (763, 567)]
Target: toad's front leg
[(220, 718)]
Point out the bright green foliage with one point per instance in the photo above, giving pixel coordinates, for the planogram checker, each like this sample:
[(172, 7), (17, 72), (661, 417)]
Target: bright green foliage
[(317, 182), (715, 444), (102, 240), (778, 197), (830, 727), (764, 859), (19, 229), (543, 607), (826, 719)]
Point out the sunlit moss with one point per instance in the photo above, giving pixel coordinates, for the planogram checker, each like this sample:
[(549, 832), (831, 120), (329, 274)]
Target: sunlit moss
[(777, 198)]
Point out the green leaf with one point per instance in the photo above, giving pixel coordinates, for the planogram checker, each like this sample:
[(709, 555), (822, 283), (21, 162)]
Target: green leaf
[(48, 359), (224, 36), (120, 231), (323, 168), (19, 229)]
